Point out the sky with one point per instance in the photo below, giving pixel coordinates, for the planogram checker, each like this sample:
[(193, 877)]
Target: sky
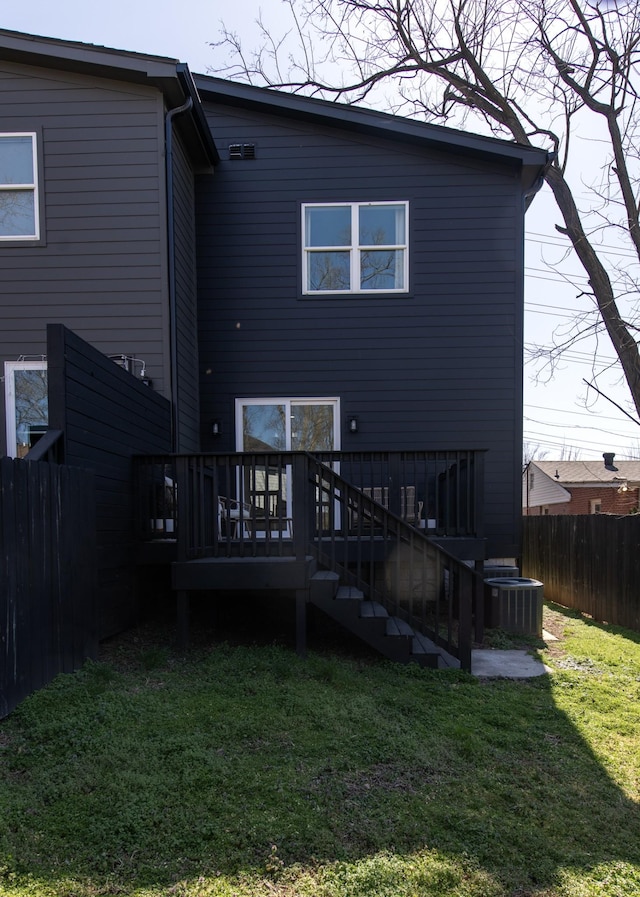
[(562, 416)]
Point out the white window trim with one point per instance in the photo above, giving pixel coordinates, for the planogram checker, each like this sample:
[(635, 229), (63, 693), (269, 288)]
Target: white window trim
[(30, 188), (10, 368), (355, 249)]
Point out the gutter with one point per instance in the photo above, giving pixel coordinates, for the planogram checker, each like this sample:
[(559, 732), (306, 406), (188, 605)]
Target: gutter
[(537, 185)]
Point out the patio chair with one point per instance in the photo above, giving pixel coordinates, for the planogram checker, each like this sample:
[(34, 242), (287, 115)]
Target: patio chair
[(237, 517), (410, 508)]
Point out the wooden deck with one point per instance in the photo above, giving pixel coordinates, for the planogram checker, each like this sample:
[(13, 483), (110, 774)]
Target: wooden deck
[(293, 524)]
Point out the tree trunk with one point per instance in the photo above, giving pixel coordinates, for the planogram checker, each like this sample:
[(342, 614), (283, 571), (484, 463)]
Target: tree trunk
[(621, 337)]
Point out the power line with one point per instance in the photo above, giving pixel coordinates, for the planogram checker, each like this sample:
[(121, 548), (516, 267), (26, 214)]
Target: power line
[(590, 414), (544, 423), (605, 248), (584, 446)]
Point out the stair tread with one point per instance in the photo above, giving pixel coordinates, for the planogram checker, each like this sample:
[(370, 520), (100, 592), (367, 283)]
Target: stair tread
[(423, 645), (396, 626), (349, 592), (373, 609), (325, 575)]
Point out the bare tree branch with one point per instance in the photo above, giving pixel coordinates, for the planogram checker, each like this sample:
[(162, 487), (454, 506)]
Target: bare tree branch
[(531, 70)]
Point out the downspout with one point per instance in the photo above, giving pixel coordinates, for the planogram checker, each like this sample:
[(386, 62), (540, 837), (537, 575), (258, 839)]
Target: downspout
[(529, 194), (173, 315), (527, 199)]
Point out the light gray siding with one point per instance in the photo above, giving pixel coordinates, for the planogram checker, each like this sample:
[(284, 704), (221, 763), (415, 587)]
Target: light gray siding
[(101, 269)]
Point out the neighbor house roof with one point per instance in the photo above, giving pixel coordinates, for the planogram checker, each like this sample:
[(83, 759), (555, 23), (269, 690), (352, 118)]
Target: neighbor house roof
[(590, 473)]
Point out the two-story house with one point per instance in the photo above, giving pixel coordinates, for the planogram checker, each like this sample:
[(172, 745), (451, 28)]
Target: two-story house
[(289, 274)]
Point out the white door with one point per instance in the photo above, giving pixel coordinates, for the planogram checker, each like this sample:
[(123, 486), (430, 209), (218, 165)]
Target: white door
[(26, 404)]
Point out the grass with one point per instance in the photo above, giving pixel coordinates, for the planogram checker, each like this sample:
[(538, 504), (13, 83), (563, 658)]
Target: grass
[(238, 771)]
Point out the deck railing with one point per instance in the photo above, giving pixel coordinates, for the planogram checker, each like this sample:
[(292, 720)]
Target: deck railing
[(250, 497), (366, 515)]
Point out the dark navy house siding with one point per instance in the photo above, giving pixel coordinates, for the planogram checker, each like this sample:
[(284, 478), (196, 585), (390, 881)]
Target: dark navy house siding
[(438, 368)]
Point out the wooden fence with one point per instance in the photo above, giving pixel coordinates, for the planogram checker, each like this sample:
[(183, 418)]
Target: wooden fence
[(589, 563), (47, 575)]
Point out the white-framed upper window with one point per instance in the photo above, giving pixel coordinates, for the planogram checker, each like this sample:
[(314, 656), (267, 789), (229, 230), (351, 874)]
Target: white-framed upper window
[(19, 213), (26, 404), (358, 247)]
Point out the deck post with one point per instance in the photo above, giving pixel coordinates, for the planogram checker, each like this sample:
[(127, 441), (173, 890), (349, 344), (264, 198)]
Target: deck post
[(301, 622), (478, 603), (182, 620), (300, 472), (465, 599)]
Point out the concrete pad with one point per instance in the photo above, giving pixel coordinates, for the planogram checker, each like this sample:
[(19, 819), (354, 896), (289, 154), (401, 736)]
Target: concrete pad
[(487, 663)]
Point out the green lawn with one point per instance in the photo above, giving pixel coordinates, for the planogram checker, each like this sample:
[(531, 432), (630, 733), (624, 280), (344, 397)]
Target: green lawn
[(244, 771)]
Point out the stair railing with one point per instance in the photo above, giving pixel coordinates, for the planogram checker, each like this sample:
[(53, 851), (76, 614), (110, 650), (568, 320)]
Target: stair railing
[(391, 561)]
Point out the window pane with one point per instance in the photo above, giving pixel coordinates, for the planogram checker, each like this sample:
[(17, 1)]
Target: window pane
[(382, 225), (17, 213), (382, 269), (329, 270), (328, 226), (263, 428), (16, 160), (312, 428), (32, 414)]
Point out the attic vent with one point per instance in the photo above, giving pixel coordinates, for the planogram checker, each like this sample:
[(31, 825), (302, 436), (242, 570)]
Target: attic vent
[(242, 151)]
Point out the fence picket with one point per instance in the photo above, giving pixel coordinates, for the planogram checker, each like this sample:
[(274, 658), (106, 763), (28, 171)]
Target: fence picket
[(590, 563), (47, 568)]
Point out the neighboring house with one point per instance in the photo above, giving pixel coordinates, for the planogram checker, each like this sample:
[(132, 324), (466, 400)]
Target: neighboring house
[(96, 218), (581, 487), (288, 273)]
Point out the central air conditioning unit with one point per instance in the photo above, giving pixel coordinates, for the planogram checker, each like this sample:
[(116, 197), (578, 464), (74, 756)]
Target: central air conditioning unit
[(514, 604)]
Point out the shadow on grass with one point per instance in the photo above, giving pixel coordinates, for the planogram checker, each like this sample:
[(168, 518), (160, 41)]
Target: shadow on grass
[(239, 761)]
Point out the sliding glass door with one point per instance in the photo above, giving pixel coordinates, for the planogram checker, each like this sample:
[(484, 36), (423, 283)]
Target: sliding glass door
[(285, 425), (282, 425)]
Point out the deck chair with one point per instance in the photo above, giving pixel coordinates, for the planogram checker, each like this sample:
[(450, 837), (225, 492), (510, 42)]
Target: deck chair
[(410, 509), (237, 517)]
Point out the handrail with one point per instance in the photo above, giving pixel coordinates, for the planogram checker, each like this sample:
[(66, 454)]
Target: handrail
[(412, 577), (48, 448)]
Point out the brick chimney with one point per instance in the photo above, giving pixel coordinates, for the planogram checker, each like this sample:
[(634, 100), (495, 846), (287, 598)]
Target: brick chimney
[(608, 460)]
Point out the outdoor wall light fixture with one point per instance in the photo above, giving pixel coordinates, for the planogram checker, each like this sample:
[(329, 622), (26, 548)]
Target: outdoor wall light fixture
[(353, 424), (216, 428)]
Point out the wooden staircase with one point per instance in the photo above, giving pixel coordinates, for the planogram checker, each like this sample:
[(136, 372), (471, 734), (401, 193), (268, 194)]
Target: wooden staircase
[(391, 636)]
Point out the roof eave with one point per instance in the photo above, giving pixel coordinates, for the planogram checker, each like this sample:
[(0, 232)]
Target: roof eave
[(171, 77), (374, 123)]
